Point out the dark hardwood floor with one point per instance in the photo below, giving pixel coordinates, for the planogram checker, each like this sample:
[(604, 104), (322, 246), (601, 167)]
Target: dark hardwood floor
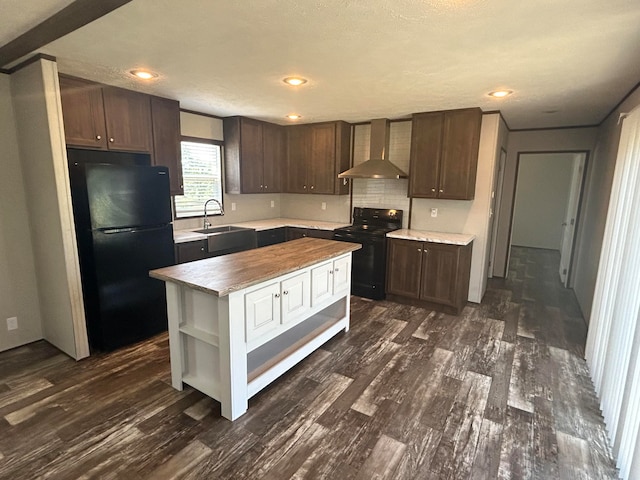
[(500, 392)]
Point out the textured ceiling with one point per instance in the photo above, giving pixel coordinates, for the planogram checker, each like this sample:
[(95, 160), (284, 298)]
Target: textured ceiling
[(369, 58), (18, 16)]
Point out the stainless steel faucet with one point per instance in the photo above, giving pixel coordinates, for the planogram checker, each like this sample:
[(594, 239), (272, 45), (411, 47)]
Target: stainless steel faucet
[(206, 222)]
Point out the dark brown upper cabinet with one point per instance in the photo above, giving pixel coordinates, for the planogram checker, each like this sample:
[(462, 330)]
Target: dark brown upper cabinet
[(254, 152), (165, 119), (83, 113), (105, 118), (444, 154), (316, 154)]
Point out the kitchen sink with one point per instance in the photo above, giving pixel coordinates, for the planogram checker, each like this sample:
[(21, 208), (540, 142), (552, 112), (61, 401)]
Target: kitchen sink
[(228, 228), (229, 239)]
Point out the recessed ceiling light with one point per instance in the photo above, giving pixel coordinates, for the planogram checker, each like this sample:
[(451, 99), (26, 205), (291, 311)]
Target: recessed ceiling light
[(294, 116), (294, 81), (144, 74), (500, 93)]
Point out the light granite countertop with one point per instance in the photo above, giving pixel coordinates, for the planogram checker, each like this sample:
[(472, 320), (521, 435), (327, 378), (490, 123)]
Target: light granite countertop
[(434, 237), (181, 236), (229, 273)]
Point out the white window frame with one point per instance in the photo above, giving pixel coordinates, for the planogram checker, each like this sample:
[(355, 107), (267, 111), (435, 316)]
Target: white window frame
[(197, 209)]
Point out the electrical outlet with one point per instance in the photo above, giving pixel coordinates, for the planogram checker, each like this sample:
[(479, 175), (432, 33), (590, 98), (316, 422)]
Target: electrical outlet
[(434, 212), (323, 205), (233, 206), (12, 323), (273, 204)]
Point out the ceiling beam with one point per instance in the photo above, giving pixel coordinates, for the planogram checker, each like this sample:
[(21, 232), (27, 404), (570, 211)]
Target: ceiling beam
[(70, 18)]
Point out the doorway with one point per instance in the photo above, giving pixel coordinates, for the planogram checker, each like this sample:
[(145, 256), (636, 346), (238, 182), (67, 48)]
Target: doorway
[(547, 198)]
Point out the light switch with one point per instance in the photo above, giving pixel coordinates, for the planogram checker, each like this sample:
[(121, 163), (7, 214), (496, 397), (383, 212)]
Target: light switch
[(273, 204), (323, 206), (233, 206), (434, 212)]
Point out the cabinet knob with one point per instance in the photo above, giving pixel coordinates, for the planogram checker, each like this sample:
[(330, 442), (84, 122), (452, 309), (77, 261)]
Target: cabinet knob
[(433, 189), (420, 250), (330, 272), (304, 187), (286, 292), (337, 270), (311, 187), (98, 137), (111, 139), (202, 249), (277, 295), (261, 186), (266, 187), (441, 190)]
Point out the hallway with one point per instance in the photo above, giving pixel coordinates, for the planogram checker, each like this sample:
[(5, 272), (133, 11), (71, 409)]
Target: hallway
[(499, 392)]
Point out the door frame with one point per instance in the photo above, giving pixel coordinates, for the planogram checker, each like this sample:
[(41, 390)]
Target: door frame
[(578, 216)]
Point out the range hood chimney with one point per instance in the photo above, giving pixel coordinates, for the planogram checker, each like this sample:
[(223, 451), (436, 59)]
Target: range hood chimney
[(377, 166)]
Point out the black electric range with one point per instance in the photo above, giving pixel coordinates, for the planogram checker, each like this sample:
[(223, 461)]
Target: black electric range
[(370, 227)]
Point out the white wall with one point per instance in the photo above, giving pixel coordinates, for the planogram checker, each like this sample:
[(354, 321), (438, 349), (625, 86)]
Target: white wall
[(38, 111), (542, 195), (532, 141), (247, 207), (18, 284)]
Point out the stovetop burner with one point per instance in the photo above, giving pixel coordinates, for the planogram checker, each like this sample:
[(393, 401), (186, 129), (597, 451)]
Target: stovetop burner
[(374, 221)]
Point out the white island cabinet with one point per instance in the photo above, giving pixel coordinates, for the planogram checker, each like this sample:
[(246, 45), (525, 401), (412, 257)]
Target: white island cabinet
[(237, 322)]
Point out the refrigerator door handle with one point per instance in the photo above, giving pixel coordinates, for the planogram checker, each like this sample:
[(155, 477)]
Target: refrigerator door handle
[(109, 231)]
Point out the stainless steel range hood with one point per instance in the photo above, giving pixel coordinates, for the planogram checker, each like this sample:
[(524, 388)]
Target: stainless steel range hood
[(378, 166)]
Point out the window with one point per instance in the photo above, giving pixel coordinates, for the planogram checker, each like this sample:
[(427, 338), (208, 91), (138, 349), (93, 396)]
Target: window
[(201, 176)]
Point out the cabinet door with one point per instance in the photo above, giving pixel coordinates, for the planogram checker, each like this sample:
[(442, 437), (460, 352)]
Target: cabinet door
[(297, 158), (262, 310), (128, 120), (190, 251), (426, 151), (273, 155), (83, 113), (251, 155), (165, 120), (404, 262), (341, 275), (319, 233), (439, 273), (296, 297), (321, 283), (460, 154), (295, 232), (271, 236), (322, 175)]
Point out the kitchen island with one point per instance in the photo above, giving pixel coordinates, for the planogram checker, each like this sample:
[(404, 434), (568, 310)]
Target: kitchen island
[(239, 321)]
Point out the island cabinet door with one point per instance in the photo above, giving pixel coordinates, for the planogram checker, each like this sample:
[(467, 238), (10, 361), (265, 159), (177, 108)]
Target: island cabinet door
[(296, 297), (321, 283), (341, 274), (262, 310)]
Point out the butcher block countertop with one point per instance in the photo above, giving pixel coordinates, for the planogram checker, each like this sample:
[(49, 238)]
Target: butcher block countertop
[(433, 237), (228, 273)]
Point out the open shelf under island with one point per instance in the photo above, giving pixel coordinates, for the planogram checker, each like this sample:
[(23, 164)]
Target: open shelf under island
[(239, 321)]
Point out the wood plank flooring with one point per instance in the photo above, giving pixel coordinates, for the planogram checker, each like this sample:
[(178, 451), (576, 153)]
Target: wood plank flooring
[(500, 392)]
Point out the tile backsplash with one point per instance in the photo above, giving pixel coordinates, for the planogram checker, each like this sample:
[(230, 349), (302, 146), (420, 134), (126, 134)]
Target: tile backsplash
[(383, 193)]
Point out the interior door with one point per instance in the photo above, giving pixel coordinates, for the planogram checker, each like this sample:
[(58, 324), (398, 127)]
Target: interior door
[(569, 224)]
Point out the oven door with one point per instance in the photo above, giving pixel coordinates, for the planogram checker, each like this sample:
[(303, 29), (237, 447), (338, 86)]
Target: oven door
[(369, 264)]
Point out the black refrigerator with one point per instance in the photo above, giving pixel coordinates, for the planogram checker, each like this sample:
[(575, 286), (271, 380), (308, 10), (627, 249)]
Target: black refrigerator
[(122, 215)]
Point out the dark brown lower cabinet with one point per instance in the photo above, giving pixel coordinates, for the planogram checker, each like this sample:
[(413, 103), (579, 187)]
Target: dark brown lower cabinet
[(190, 251), (435, 275), (298, 232)]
